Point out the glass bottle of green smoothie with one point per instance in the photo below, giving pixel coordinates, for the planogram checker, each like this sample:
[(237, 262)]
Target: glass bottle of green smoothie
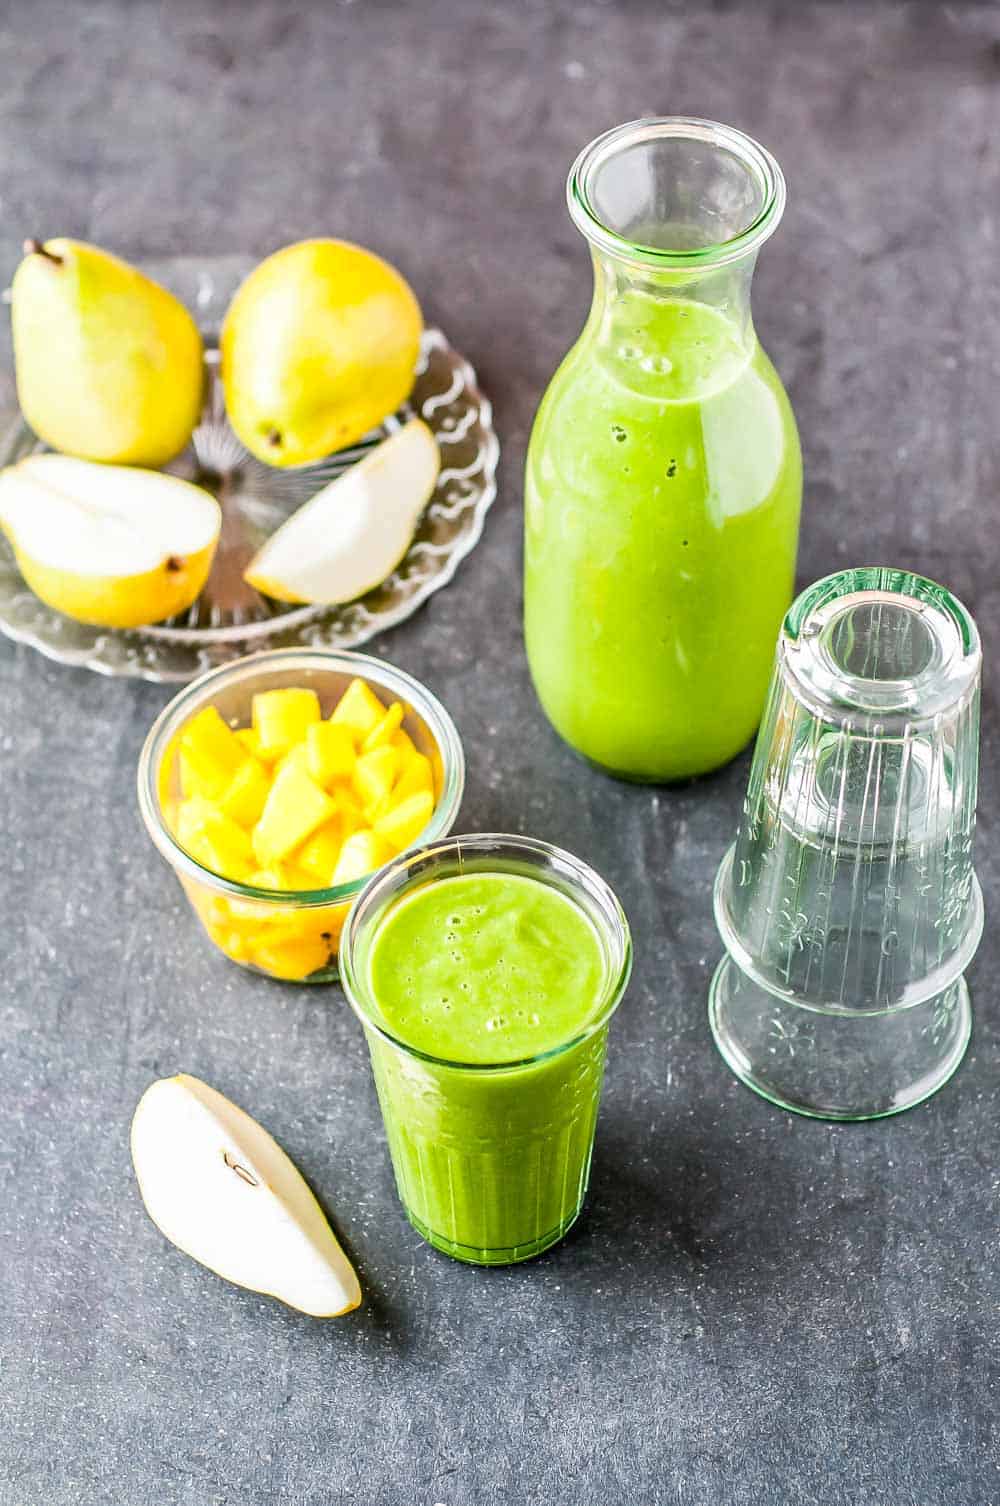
[(664, 476)]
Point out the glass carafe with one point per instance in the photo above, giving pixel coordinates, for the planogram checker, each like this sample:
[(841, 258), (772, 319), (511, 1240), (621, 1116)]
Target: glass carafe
[(664, 476)]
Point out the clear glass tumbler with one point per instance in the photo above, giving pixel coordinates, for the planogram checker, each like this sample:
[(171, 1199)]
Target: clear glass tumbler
[(848, 904), (491, 1161)]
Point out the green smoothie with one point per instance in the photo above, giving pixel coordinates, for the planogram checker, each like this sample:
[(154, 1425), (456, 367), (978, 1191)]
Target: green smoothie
[(661, 522), (494, 975)]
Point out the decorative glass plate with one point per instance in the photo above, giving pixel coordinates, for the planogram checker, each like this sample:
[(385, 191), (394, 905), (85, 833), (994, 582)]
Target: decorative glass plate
[(230, 618)]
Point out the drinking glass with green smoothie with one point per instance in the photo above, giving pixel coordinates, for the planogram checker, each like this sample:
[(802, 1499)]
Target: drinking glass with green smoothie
[(664, 475), (485, 970)]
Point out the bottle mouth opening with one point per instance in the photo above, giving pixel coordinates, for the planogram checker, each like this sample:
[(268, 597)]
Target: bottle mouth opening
[(675, 191)]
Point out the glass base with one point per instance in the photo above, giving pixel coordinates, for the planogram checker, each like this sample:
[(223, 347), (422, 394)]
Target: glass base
[(837, 1065), (511, 1255)]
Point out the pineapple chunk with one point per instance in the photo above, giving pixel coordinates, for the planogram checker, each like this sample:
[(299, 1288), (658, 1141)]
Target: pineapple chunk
[(361, 853), (246, 793), (318, 856), (281, 717), (214, 839), (291, 960), (329, 753), (416, 777), (294, 809), (404, 823), (210, 753), (374, 774), (358, 708), (384, 730)]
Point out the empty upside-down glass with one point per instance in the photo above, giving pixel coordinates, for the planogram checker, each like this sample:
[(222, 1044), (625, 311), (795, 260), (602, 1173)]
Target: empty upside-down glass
[(849, 899)]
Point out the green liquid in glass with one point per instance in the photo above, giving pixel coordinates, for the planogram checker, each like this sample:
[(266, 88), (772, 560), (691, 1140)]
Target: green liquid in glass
[(482, 969), (661, 521)]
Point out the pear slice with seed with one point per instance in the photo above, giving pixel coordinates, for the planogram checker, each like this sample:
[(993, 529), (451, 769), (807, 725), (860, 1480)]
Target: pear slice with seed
[(222, 1190)]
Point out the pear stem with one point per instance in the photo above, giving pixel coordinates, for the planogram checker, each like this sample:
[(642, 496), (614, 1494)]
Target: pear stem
[(274, 438), (35, 248)]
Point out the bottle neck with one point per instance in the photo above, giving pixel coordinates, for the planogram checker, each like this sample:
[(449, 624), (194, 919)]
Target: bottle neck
[(645, 301), (671, 335)]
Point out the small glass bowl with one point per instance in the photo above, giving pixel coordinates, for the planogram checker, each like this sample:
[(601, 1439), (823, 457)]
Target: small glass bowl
[(289, 934)]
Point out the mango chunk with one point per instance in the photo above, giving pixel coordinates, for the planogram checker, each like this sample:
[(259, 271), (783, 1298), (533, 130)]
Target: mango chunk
[(358, 708), (352, 817), (318, 856), (374, 774), (404, 822), (294, 809), (246, 793), (291, 960), (281, 717), (384, 730), (329, 753), (361, 854), (407, 747), (209, 754), (214, 839), (416, 777), (274, 876)]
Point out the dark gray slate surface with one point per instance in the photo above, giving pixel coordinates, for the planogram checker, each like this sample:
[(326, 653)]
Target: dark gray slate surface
[(755, 1309)]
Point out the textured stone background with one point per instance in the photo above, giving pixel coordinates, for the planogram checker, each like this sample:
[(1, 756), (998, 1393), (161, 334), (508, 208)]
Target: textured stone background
[(755, 1309)]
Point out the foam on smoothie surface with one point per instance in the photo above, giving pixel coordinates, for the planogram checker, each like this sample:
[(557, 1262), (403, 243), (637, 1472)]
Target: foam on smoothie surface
[(486, 967)]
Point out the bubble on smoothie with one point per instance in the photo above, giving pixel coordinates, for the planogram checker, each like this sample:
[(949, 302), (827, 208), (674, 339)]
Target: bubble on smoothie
[(657, 365), (629, 352), (619, 433), (496, 1022)]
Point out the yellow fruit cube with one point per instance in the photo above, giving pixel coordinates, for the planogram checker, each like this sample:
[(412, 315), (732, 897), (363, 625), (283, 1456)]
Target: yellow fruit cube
[(318, 856), (191, 817), (361, 853), (329, 753), (407, 747), (376, 808), (404, 823), (374, 774), (209, 754), (246, 793), (281, 717), (358, 708), (214, 839), (352, 817), (416, 777), (233, 942), (274, 876), (384, 730), (291, 960), (294, 809)]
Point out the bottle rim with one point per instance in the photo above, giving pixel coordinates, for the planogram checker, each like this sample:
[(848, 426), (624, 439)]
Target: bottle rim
[(758, 161)]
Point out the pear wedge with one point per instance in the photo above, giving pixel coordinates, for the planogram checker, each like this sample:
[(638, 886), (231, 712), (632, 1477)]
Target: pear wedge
[(352, 534), (222, 1190), (110, 545)]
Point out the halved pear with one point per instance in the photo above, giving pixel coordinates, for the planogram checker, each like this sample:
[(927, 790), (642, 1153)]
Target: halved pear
[(222, 1190), (353, 533), (110, 545)]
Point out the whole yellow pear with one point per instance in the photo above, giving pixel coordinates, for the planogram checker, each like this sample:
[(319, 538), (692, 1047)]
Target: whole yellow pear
[(109, 364), (319, 344)]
